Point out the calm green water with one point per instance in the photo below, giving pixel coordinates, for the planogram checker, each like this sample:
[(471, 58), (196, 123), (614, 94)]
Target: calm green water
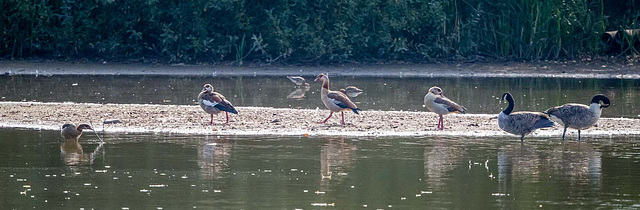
[(478, 95), (222, 172)]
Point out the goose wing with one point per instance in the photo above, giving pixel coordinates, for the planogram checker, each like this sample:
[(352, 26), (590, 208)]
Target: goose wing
[(218, 101), (341, 100), (531, 120), (451, 106)]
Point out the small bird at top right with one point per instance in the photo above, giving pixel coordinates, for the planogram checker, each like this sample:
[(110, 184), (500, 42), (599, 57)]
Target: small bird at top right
[(579, 116)]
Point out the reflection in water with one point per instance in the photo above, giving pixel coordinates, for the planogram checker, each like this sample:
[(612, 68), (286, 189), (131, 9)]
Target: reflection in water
[(336, 159), (72, 153), (213, 158), (575, 164), (298, 93), (382, 93), (439, 160)]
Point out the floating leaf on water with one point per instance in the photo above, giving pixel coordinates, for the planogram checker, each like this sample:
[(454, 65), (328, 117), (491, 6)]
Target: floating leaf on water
[(319, 192), (425, 192), (158, 185), (217, 191), (26, 186)]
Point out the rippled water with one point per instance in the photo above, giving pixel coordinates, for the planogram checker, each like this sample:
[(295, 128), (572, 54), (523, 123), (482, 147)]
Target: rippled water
[(478, 95), (39, 170)]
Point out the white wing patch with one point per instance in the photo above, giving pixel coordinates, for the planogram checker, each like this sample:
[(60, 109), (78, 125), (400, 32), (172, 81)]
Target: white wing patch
[(334, 101), (209, 103)]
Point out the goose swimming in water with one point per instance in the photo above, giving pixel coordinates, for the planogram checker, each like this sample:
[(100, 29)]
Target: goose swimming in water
[(435, 101), (579, 116), (335, 101), (214, 103), (69, 131), (521, 123)]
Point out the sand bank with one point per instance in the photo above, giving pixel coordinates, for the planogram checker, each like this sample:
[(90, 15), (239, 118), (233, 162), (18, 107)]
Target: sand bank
[(183, 119)]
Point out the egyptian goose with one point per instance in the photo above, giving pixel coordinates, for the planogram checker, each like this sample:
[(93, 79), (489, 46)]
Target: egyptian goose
[(351, 91), (213, 102), (521, 123), (335, 101), (69, 131), (436, 102), (299, 81), (579, 116)]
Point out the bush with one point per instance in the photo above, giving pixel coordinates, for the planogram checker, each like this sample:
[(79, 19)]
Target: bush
[(301, 31)]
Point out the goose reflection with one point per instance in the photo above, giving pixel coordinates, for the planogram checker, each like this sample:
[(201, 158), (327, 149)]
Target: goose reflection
[(213, 158), (439, 160), (576, 163), (299, 92), (72, 153), (336, 159)]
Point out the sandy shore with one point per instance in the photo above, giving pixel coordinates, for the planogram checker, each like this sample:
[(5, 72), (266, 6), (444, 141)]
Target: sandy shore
[(273, 121)]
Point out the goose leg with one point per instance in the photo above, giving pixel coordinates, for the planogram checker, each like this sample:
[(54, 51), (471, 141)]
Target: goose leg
[(522, 138), (212, 119), (579, 135), (342, 118), (227, 117), (563, 132), (440, 123), (325, 120)]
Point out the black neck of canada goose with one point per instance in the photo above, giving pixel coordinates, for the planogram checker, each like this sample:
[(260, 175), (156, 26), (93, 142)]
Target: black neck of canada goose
[(605, 101), (509, 98)]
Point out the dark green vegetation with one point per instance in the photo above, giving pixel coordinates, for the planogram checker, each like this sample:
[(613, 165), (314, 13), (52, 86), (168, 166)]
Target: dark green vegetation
[(301, 31)]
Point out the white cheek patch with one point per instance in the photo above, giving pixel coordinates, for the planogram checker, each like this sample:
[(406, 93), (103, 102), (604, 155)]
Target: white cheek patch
[(209, 103)]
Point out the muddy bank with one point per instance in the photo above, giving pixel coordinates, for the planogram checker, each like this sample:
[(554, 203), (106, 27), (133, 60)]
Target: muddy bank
[(273, 121), (509, 69)]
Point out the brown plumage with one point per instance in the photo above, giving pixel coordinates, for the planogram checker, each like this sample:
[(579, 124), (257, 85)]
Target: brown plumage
[(214, 103), (70, 131), (521, 123), (335, 101), (436, 102), (579, 116)]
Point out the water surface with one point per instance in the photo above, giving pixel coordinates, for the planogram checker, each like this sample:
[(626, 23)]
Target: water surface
[(234, 172), (478, 95)]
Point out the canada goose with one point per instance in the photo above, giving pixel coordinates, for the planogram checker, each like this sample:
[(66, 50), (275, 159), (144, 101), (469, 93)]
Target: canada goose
[(436, 102), (335, 101), (521, 123), (351, 91), (579, 116), (69, 131), (213, 102), (299, 81)]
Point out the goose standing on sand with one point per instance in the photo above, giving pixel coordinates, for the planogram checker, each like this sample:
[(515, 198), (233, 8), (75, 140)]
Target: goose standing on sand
[(214, 103), (335, 101), (70, 131), (436, 102), (521, 123), (579, 116), (299, 81), (351, 91)]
